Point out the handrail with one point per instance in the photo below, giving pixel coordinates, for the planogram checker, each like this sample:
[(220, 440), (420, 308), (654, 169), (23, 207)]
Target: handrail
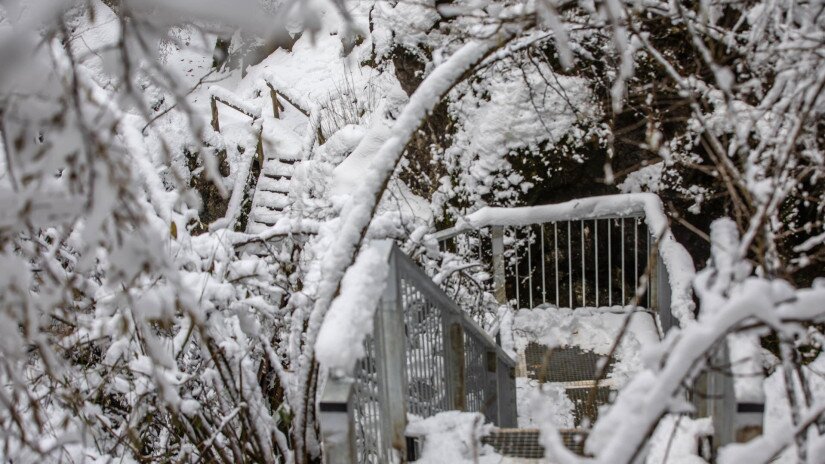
[(423, 355), (674, 269)]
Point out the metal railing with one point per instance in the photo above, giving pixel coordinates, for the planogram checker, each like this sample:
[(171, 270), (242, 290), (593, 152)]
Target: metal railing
[(424, 356), (573, 259)]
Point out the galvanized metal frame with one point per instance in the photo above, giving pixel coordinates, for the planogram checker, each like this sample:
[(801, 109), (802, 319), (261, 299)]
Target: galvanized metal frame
[(425, 356)]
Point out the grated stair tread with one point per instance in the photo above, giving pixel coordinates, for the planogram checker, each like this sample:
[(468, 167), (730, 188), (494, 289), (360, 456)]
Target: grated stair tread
[(525, 444)]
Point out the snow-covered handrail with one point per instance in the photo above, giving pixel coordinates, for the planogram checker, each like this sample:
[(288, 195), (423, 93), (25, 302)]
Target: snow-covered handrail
[(677, 264)]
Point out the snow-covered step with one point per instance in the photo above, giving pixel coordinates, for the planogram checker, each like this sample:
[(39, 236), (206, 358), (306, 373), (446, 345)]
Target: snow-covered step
[(270, 184), (265, 216), (271, 201), (275, 168), (280, 141), (282, 151)]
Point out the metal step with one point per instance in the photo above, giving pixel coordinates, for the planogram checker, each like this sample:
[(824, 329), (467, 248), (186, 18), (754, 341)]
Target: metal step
[(524, 443), (575, 369)]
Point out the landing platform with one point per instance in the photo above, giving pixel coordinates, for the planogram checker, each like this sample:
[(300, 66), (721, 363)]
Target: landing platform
[(559, 352)]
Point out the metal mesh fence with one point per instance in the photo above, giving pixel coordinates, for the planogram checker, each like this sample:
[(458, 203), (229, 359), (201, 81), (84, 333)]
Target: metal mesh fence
[(426, 375), (367, 408), (426, 356)]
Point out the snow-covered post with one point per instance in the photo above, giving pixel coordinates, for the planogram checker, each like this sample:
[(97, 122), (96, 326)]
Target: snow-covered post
[(338, 432), (216, 124), (276, 105), (737, 401), (506, 394), (660, 287), (454, 359), (497, 238), (391, 357)]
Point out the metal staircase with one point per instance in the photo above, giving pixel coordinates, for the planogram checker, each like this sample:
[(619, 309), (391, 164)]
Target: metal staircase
[(426, 355)]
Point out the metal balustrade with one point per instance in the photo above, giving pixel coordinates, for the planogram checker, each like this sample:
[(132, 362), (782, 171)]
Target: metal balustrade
[(575, 261), (425, 356)]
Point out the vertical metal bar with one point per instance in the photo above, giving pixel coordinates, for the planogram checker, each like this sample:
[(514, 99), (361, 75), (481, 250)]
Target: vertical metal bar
[(569, 268), (635, 258), (530, 264), (438, 380), (515, 254), (497, 242), (647, 266), (413, 312), (584, 274), (429, 357), (543, 274), (457, 367), (596, 255), (390, 352), (216, 122), (609, 262), (624, 281), (556, 258)]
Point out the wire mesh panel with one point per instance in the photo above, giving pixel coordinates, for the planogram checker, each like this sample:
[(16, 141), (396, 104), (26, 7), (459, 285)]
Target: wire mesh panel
[(367, 398), (424, 330), (475, 387), (569, 364), (447, 354), (524, 443), (425, 356)]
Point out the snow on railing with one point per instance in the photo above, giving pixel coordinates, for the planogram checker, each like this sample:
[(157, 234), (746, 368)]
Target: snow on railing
[(586, 252), (394, 344)]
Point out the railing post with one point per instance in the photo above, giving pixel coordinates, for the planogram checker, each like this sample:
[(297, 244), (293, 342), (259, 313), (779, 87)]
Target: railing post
[(391, 355), (506, 395), (216, 124), (456, 380), (276, 105), (659, 288), (497, 238), (338, 422), (663, 295)]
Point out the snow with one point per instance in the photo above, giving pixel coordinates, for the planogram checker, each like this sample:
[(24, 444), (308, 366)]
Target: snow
[(646, 179), (538, 403), (453, 437), (590, 329), (676, 439), (745, 354), (113, 255)]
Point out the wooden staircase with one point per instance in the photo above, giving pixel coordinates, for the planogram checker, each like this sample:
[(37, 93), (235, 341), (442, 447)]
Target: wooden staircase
[(271, 198)]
